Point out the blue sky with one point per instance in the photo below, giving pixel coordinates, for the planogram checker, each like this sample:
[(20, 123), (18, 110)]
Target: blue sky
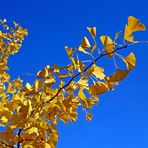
[(121, 118)]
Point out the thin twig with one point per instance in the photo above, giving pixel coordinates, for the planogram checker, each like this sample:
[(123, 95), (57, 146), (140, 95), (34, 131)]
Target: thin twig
[(115, 63), (19, 135)]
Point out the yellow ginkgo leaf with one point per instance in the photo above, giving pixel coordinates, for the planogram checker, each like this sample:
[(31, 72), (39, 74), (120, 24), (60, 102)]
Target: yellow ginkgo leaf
[(133, 25), (83, 82), (73, 116), (108, 45), (130, 61), (81, 94), (11, 89), (98, 88), (118, 76), (69, 51), (92, 31), (4, 119), (93, 48), (85, 43), (32, 130), (28, 86), (117, 35), (47, 145), (50, 81), (15, 24), (13, 126), (43, 73), (4, 76), (64, 118), (39, 84), (22, 31), (56, 68), (28, 146), (82, 49), (78, 64), (109, 84), (98, 72), (88, 117), (17, 83), (1, 33)]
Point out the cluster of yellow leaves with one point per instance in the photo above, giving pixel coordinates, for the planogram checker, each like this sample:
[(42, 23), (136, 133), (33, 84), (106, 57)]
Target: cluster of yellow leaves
[(31, 112)]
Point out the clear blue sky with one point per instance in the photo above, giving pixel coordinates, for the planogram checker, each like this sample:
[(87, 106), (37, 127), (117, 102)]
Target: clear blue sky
[(121, 118)]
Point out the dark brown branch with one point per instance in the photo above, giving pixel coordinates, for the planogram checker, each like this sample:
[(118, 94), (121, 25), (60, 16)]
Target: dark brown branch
[(94, 61), (19, 135), (79, 73)]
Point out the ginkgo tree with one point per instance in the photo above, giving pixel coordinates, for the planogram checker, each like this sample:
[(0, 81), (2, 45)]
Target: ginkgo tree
[(31, 112)]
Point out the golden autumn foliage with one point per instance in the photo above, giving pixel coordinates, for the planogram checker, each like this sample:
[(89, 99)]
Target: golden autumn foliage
[(31, 112)]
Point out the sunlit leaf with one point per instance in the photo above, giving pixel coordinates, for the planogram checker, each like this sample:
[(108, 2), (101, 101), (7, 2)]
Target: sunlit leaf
[(43, 73), (70, 51), (133, 25), (117, 35), (28, 146), (88, 117), (47, 145), (32, 130), (130, 61), (92, 31), (15, 24), (98, 72), (118, 76), (82, 49), (108, 45), (4, 119), (11, 89), (83, 82), (98, 88), (85, 43)]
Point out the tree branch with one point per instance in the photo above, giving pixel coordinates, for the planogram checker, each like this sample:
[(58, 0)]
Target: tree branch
[(79, 73), (94, 61), (19, 135)]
